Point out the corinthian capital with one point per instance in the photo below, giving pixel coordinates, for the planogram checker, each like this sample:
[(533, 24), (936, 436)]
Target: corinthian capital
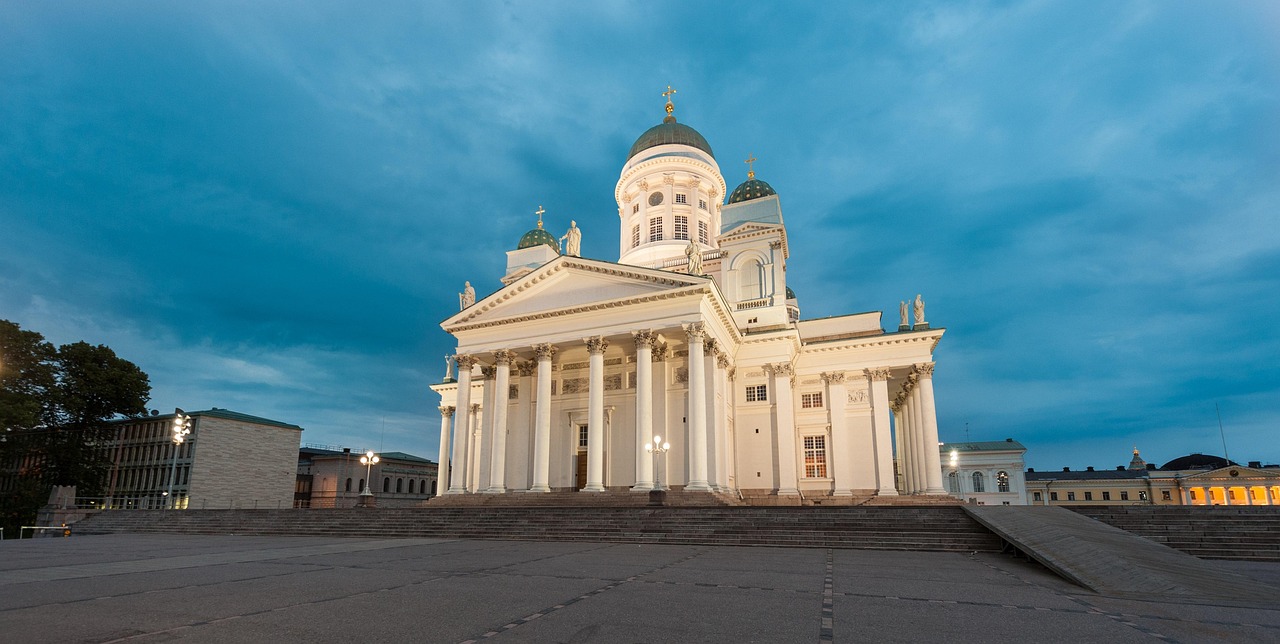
[(487, 372), (644, 339), (503, 356), (596, 344), (923, 370), (877, 374), (446, 411), (722, 360), (780, 369), (544, 351), (465, 363), (833, 378), (694, 330), (526, 367), (709, 346)]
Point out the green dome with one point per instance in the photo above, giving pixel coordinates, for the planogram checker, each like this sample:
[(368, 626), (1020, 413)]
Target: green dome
[(751, 189), (538, 236), (667, 133), (791, 295)]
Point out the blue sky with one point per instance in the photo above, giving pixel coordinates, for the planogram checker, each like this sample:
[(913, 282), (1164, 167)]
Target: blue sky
[(271, 207)]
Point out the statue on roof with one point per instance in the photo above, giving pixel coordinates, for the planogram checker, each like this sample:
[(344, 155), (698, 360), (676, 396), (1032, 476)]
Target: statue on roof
[(467, 297), (919, 309), (902, 312), (695, 258), (573, 240)]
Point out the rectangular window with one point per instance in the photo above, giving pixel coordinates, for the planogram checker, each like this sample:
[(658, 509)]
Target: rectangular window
[(703, 237), (635, 208), (811, 401), (1142, 495), (680, 198), (757, 393), (582, 436), (1053, 496), (815, 457), (1088, 496), (1036, 496), (635, 235), (1106, 496), (682, 227), (1164, 494), (655, 229), (1071, 496), (702, 204), (1124, 495)]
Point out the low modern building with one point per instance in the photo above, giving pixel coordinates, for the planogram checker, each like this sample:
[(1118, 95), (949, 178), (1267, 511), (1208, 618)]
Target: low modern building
[(229, 460), (332, 477), (985, 472), (1195, 479)]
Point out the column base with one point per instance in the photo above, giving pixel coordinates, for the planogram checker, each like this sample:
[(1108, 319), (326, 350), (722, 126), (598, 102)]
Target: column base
[(455, 490), (842, 493), (539, 489), (643, 486), (887, 492), (593, 487), (788, 491), (935, 491), (698, 486), (496, 490)]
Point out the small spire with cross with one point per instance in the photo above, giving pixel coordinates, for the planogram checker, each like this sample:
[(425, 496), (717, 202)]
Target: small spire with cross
[(751, 172), (671, 108), (539, 214)]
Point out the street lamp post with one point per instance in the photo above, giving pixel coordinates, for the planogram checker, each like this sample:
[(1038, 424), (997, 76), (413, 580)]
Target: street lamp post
[(368, 461), (656, 448), (181, 428)]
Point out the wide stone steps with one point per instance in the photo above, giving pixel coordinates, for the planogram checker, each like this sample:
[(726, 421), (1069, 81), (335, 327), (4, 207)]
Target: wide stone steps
[(947, 528), (1210, 532)]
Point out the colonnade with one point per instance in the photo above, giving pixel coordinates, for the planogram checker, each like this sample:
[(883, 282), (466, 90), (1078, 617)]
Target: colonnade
[(917, 431), (1226, 495), (482, 438)]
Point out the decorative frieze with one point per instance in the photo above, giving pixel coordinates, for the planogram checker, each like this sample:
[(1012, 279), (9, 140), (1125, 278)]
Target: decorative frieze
[(682, 375), (526, 367), (858, 396), (573, 385)]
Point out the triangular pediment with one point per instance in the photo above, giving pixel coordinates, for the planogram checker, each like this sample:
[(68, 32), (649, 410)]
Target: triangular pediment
[(569, 283), (749, 227), (1241, 472)]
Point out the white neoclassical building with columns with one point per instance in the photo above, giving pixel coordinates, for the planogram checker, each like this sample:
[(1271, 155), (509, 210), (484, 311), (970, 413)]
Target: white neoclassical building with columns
[(569, 370)]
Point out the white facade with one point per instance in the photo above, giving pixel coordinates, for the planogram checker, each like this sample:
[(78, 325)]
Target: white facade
[(569, 369), (985, 472)]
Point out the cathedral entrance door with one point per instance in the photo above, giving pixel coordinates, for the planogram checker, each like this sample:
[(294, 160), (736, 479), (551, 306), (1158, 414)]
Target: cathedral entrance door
[(582, 469)]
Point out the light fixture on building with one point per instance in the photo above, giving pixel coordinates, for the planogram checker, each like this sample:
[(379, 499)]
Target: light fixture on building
[(656, 448), (181, 429), (368, 461)]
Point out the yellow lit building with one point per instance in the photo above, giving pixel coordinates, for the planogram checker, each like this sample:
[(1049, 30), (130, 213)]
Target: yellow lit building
[(1195, 479)]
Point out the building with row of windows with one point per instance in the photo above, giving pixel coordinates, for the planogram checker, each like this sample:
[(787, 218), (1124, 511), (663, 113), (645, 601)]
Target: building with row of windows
[(574, 365), (1195, 479), (333, 477), (985, 472)]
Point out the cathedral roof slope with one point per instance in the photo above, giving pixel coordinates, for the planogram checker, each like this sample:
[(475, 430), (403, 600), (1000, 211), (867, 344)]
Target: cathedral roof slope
[(669, 132)]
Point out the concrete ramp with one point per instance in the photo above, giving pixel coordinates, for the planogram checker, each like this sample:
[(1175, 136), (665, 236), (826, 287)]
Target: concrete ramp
[(1111, 561)]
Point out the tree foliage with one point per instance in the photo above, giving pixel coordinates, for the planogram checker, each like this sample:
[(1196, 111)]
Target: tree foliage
[(54, 405)]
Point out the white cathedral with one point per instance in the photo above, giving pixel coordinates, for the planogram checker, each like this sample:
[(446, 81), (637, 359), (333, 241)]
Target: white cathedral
[(572, 373)]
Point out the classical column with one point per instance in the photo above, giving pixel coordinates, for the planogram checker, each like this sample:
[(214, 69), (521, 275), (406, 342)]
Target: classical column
[(719, 398), (484, 434), (461, 426), (473, 460), (595, 414), (785, 422), (442, 469), (899, 445), (542, 421), (661, 411), (878, 390), (841, 442), (731, 441), (644, 409), (908, 442), (930, 429), (521, 433), (498, 437), (709, 398), (697, 410), (920, 461)]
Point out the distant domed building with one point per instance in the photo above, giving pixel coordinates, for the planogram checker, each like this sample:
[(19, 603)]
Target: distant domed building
[(690, 338)]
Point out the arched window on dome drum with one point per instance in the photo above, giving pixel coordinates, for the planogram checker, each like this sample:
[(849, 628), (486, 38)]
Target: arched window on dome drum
[(1002, 481), (953, 480), (703, 237), (750, 281), (635, 235), (977, 482)]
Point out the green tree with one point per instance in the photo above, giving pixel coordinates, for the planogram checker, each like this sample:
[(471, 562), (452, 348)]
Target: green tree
[(54, 405)]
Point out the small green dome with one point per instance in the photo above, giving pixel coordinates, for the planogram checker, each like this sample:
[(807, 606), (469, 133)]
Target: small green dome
[(538, 236), (791, 295), (750, 189), (669, 132)]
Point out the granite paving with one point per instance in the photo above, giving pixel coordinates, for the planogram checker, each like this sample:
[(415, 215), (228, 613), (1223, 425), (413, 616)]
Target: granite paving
[(228, 589)]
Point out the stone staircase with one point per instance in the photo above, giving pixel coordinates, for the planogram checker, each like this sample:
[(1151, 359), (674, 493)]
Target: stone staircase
[(623, 498), (1250, 533), (881, 528)]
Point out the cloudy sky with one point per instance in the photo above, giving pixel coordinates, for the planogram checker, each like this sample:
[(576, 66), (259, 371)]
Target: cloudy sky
[(270, 207)]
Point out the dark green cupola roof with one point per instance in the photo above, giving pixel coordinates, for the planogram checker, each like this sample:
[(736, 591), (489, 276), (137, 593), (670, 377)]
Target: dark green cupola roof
[(538, 236), (751, 189), (668, 132)]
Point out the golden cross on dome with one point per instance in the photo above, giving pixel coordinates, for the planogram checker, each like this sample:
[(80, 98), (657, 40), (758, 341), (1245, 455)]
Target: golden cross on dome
[(539, 214), (670, 108), (751, 173)]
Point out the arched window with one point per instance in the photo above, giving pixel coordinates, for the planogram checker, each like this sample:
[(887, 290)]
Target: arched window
[(410, 486), (750, 284), (422, 486), (386, 484), (1002, 481), (399, 485), (953, 480), (348, 485), (361, 485), (433, 488), (977, 482)]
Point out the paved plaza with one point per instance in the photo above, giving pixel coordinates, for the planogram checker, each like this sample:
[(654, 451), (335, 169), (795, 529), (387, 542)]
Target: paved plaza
[(150, 588)]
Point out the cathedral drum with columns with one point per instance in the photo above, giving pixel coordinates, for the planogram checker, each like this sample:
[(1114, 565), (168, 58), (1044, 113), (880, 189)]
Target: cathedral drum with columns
[(567, 373)]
